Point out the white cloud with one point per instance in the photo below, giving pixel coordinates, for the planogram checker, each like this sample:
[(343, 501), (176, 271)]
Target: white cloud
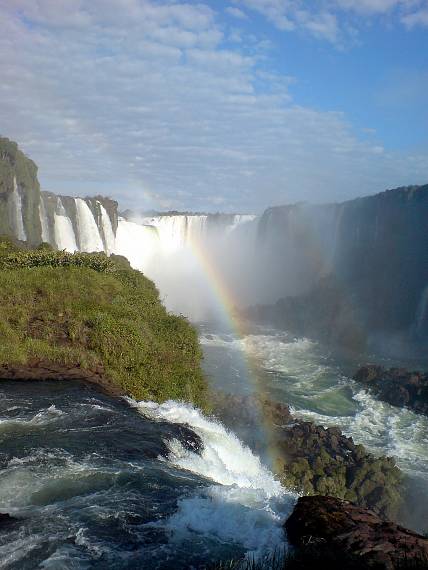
[(144, 102), (236, 13), (334, 20), (419, 18), (370, 6)]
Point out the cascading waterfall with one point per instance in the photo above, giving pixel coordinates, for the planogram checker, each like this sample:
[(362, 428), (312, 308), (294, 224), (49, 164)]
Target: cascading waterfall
[(245, 504), (108, 232), (63, 229), (138, 243), (238, 220), (15, 212), (174, 233), (46, 235), (89, 234)]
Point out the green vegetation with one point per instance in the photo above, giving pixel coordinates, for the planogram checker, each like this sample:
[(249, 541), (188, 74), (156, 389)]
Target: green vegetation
[(94, 312)]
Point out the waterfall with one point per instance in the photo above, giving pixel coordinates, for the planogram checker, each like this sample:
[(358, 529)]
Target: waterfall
[(44, 221), (239, 219), (109, 237), (88, 232), (15, 212), (138, 243), (63, 229), (172, 231), (196, 228), (245, 503)]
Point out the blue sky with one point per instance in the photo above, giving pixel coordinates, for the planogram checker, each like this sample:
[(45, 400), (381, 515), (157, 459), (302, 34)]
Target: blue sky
[(212, 106)]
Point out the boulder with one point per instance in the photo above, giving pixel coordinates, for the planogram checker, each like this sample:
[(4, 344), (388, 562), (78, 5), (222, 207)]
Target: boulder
[(397, 386), (334, 525)]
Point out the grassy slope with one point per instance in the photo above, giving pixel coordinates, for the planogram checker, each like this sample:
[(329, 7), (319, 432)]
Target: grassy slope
[(87, 310)]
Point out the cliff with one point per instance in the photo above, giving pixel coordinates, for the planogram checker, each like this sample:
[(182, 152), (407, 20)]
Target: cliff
[(360, 266), (19, 194), (65, 222)]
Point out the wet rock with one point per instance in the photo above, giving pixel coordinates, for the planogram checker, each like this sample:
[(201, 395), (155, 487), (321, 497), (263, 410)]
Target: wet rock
[(397, 386), (6, 520), (316, 460), (40, 370), (334, 525)]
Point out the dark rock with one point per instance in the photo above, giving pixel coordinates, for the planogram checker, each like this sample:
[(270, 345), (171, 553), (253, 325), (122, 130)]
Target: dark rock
[(316, 460), (335, 525), (396, 386), (40, 370), (6, 520)]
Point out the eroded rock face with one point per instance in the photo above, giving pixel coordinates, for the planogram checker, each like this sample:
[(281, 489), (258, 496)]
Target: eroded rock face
[(396, 386), (336, 525), (40, 370)]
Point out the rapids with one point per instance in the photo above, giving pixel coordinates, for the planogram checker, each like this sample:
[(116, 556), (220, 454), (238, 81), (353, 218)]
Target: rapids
[(318, 387), (96, 482)]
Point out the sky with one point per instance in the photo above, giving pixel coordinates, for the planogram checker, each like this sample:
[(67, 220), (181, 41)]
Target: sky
[(217, 105)]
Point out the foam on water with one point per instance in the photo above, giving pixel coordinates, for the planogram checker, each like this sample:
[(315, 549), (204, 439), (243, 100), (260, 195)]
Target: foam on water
[(300, 375), (246, 506)]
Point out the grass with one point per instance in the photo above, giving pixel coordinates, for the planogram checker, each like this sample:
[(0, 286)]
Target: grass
[(316, 558), (92, 311)]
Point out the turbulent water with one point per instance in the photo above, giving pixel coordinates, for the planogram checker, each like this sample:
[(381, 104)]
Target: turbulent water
[(318, 387), (100, 483)]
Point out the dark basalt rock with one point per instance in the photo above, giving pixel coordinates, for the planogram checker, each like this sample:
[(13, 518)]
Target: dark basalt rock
[(6, 520), (316, 460), (334, 525), (396, 386)]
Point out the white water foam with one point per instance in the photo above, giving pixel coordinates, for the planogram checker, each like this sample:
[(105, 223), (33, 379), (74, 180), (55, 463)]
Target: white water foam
[(246, 505), (317, 391)]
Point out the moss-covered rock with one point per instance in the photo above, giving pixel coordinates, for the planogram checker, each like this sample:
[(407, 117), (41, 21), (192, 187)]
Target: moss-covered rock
[(312, 459), (89, 314), (318, 460)]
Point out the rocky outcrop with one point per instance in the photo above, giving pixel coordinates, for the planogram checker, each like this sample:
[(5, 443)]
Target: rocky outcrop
[(397, 386), (19, 194), (6, 520), (41, 370), (316, 460), (320, 460), (335, 526)]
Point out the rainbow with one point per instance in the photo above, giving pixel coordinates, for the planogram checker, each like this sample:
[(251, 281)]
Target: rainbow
[(227, 306)]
